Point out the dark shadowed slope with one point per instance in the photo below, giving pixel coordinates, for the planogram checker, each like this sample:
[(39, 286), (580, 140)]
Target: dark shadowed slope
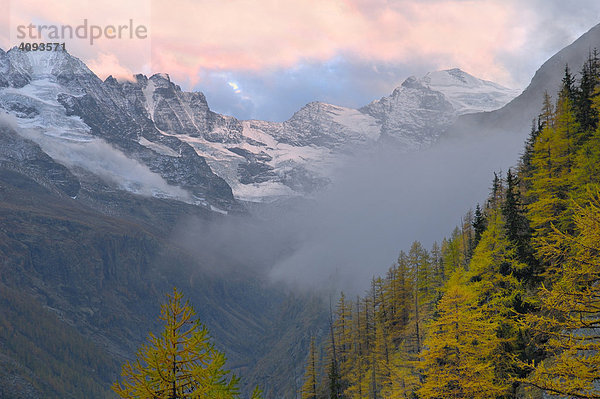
[(81, 281)]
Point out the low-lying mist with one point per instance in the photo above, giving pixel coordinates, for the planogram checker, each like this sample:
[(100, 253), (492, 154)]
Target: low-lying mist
[(379, 203), (384, 201), (107, 162)]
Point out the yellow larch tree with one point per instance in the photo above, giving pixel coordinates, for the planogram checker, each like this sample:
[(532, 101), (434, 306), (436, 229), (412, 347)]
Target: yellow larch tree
[(492, 279), (309, 389), (179, 363), (552, 161), (404, 378), (570, 316), (457, 355)]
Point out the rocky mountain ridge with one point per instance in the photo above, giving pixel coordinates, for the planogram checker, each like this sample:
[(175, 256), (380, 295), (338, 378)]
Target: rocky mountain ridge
[(190, 153)]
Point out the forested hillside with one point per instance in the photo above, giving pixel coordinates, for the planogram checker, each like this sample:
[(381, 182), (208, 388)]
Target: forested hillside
[(509, 305)]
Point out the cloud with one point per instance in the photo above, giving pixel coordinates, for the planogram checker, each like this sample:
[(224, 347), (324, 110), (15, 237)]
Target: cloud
[(4, 24), (108, 64), (379, 203), (266, 41), (238, 35), (287, 54), (548, 26), (133, 53), (103, 160)]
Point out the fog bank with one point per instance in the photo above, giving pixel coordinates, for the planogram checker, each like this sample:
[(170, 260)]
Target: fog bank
[(383, 201)]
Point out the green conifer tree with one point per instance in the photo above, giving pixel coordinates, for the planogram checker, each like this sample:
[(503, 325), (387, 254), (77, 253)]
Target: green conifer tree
[(518, 230), (479, 224)]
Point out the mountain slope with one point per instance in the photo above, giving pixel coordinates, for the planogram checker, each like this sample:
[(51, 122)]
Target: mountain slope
[(517, 116), (418, 111), (296, 157), (466, 93)]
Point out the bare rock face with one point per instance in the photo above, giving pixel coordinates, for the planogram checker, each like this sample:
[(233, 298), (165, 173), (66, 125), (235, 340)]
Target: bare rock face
[(57, 96), (413, 114), (11, 76), (177, 112)]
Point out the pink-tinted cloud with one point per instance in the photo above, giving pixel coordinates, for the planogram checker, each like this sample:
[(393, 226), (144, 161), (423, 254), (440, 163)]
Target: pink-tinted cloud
[(241, 34), (187, 37), (108, 64), (123, 54)]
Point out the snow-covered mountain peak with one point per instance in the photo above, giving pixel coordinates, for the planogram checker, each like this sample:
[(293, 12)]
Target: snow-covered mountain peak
[(466, 93), (452, 78), (327, 125), (161, 80), (418, 110), (161, 76), (313, 110), (40, 64), (410, 83)]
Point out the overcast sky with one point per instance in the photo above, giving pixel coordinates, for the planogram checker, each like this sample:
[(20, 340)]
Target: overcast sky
[(266, 58)]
